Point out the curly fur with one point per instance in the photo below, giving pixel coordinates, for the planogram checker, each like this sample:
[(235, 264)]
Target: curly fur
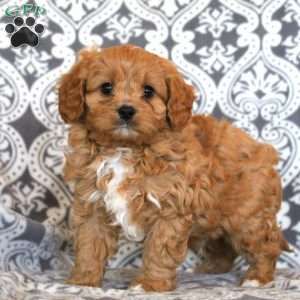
[(170, 179)]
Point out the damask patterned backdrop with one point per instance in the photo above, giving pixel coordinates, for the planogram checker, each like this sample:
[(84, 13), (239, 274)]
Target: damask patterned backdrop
[(243, 57)]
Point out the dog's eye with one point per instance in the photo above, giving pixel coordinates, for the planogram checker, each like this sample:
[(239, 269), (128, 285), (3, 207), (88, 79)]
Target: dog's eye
[(148, 91), (106, 88)]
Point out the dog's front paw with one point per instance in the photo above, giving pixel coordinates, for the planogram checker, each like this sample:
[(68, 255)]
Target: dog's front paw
[(84, 280), (141, 283), (137, 288), (251, 283)]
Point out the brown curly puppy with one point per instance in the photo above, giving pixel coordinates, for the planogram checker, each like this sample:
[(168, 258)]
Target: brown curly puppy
[(143, 165)]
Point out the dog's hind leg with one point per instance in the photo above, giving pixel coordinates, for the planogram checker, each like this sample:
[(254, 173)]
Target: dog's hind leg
[(217, 255), (261, 242), (254, 230)]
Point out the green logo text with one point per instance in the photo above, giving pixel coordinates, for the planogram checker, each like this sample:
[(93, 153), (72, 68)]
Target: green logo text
[(25, 9)]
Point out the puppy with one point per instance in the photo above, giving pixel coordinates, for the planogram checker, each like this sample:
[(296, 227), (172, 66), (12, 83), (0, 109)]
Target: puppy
[(143, 165)]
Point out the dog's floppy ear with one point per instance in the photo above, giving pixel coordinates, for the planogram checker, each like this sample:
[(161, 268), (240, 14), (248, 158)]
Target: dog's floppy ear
[(180, 101), (71, 90)]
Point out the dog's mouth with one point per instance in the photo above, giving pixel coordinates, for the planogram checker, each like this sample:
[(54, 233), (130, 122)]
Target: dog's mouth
[(125, 129)]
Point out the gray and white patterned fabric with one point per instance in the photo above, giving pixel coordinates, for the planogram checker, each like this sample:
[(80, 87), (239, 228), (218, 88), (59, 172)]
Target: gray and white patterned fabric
[(243, 58), (49, 285)]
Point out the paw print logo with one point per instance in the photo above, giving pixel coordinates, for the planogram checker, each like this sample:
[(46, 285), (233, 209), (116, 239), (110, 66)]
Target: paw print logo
[(24, 33)]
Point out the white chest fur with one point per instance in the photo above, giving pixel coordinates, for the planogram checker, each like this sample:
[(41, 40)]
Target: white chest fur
[(115, 203)]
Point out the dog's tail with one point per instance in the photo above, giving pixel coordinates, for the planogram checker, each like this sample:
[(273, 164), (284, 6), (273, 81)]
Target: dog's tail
[(285, 245)]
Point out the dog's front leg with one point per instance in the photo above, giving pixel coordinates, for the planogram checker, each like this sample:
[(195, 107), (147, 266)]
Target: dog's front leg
[(95, 241), (165, 249)]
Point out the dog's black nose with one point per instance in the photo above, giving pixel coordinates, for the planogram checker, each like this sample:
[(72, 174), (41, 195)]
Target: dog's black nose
[(126, 112)]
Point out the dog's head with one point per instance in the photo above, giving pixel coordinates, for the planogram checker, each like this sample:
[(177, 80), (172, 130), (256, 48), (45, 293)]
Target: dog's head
[(125, 92)]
